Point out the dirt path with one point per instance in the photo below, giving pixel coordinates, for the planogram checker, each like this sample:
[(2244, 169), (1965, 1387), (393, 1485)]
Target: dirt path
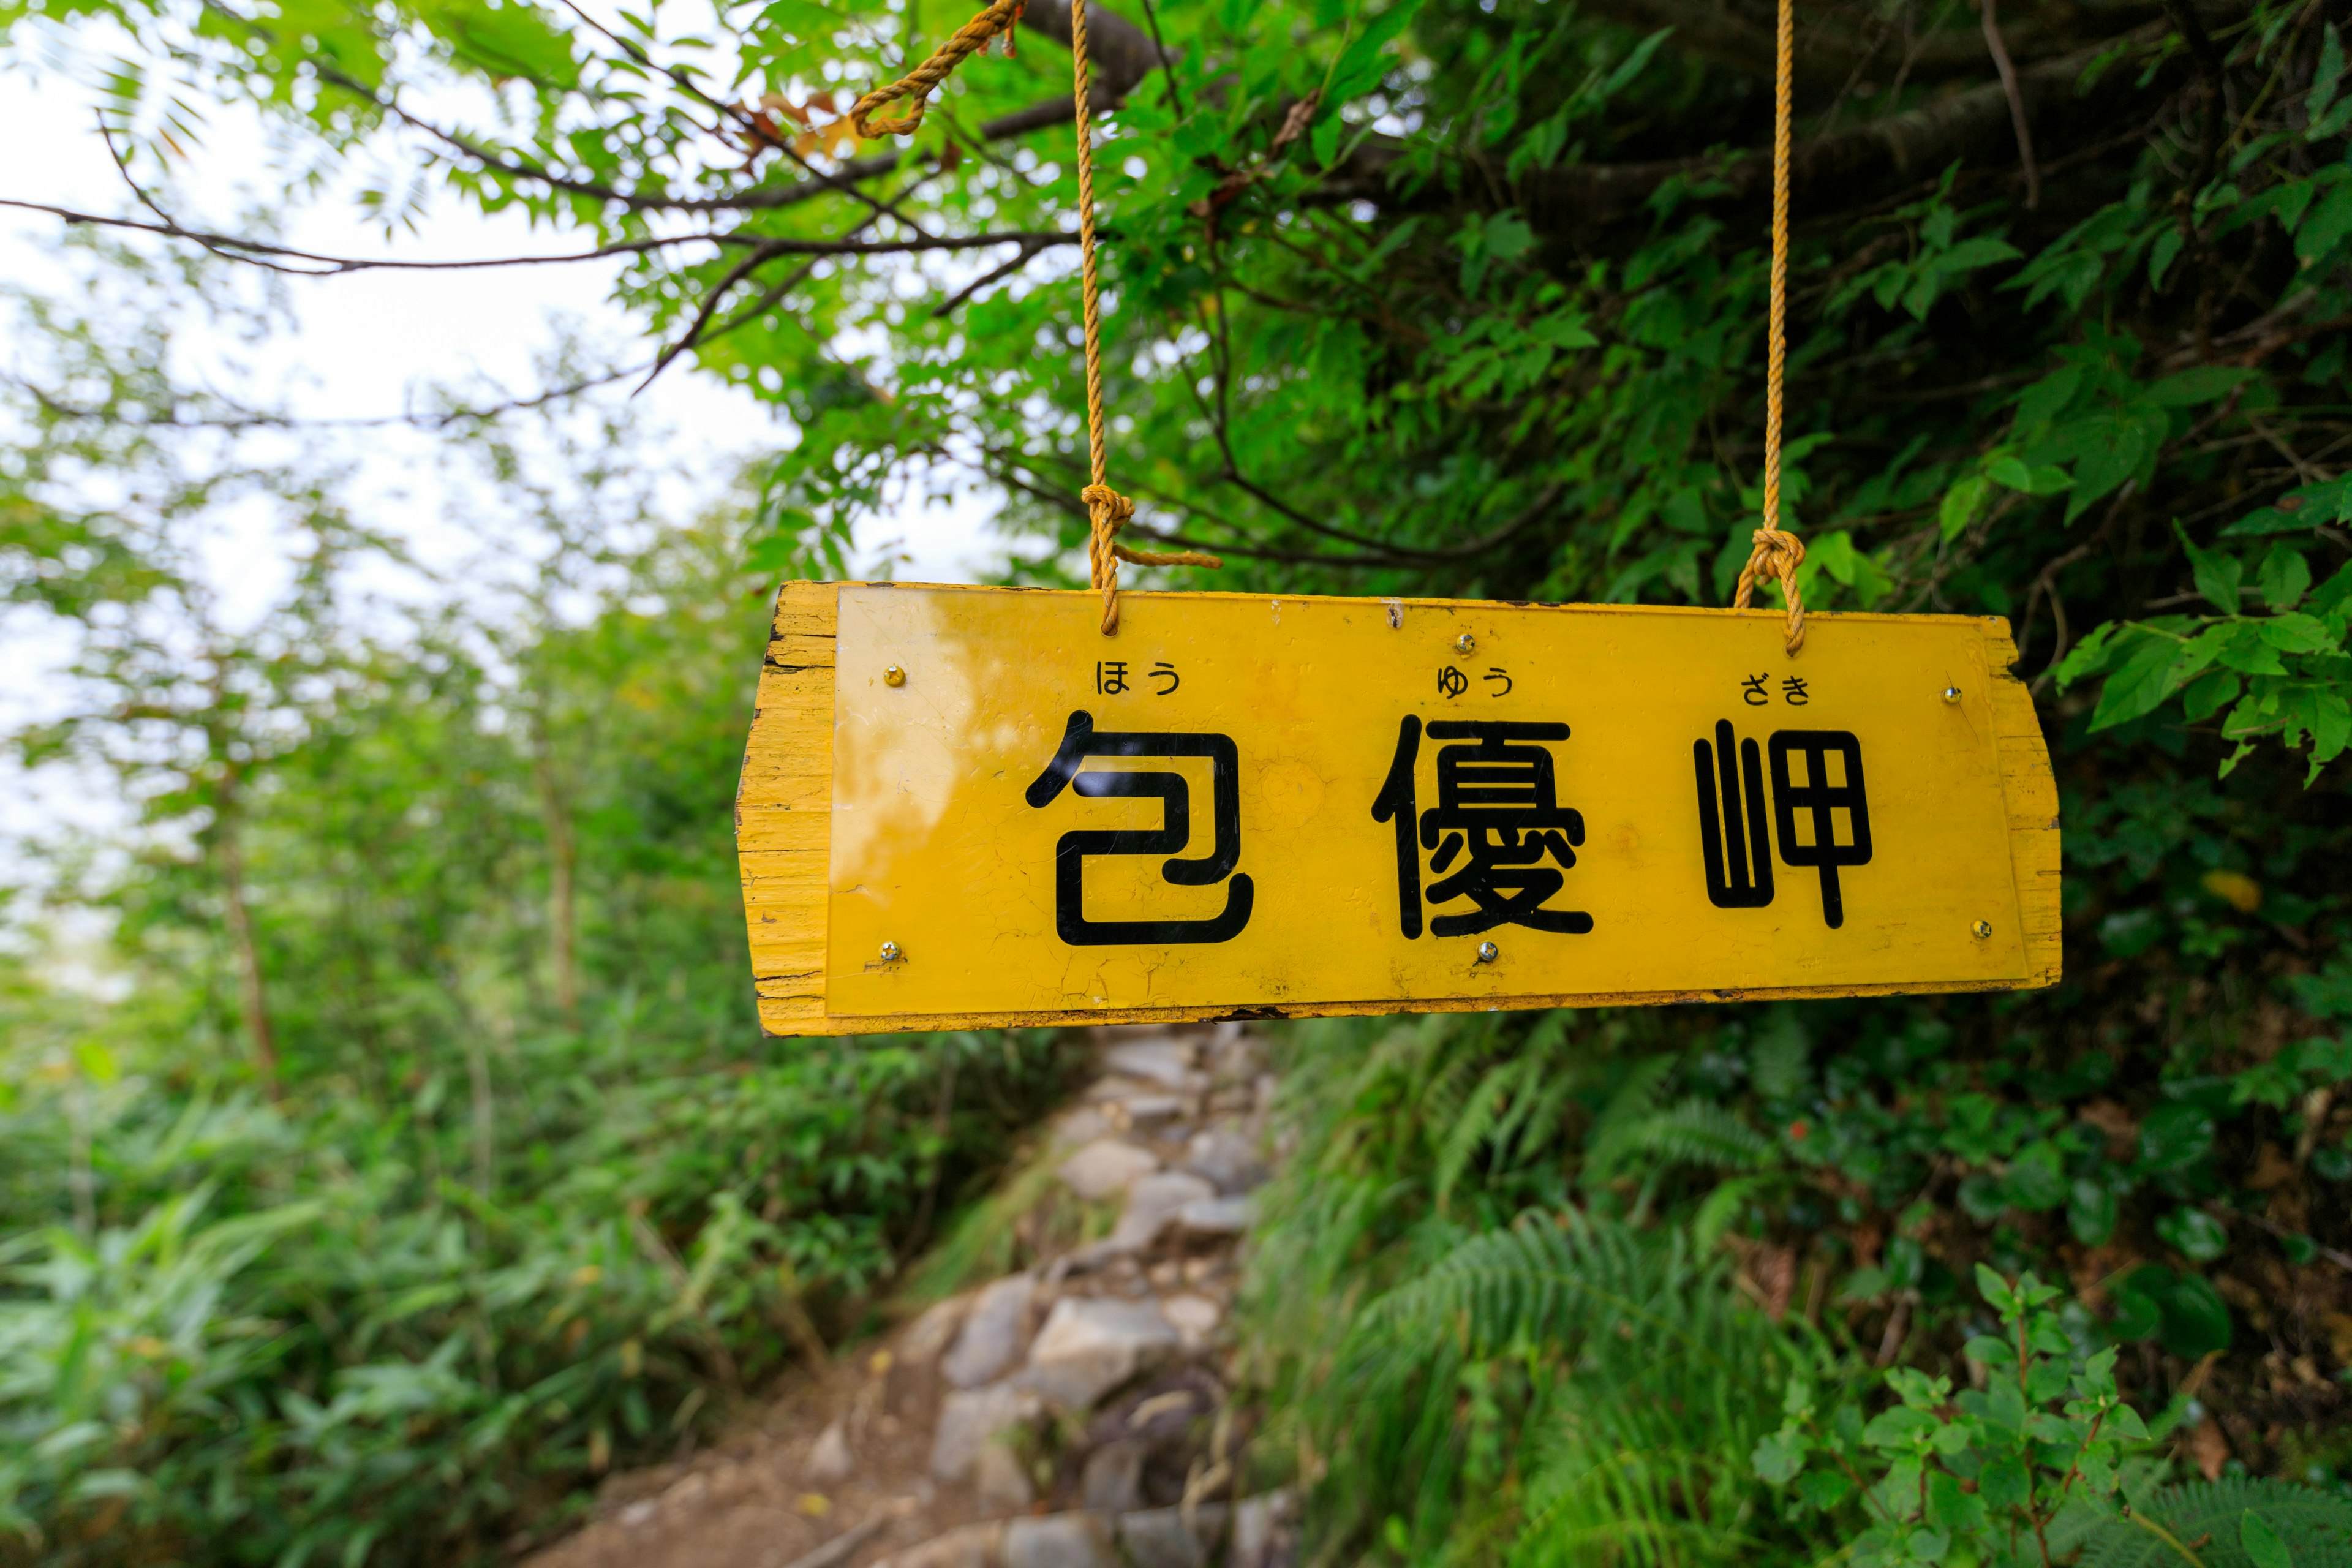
[(1073, 1414)]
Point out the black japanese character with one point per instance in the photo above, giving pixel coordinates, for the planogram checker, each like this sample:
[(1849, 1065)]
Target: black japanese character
[(1452, 681), (1822, 799), (1498, 802), (1495, 673), (1733, 835), (1081, 740), (1166, 669), (1752, 690), (1793, 690), (1110, 677)]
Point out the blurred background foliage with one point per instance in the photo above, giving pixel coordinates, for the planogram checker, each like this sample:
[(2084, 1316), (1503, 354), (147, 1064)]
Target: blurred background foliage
[(421, 1158), (1436, 297)]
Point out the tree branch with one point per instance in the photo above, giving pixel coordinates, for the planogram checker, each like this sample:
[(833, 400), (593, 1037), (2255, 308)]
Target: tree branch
[(765, 248), (1580, 199)]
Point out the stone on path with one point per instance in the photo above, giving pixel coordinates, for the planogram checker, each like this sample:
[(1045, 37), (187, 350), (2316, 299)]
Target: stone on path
[(1090, 1345), (1104, 1168), (993, 1332), (1163, 1061), (1060, 1540), (1195, 1318), (1260, 1524), (1214, 1216), (967, 1546), (1226, 1158), (829, 1458), (1151, 1202), (1112, 1480), (969, 1419), (1158, 1537), (1000, 1481), (1081, 1126), (930, 1333)]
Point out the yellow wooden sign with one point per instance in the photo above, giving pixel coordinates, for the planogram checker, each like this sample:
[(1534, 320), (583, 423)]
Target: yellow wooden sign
[(966, 806)]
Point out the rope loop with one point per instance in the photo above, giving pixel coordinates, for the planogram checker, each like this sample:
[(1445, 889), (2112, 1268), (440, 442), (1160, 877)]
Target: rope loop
[(1002, 17), (1107, 509), (1108, 512), (1776, 555), (1777, 552)]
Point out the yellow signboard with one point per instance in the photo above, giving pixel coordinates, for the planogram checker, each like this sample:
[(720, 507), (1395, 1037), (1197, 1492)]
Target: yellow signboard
[(966, 806)]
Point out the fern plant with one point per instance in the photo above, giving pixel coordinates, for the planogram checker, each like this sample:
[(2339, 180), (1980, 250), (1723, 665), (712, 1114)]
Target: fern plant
[(1645, 1379), (2238, 1522), (2031, 1468)]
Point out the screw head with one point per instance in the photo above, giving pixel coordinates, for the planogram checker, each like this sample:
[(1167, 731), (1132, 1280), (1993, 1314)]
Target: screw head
[(892, 952), (1465, 643), (1982, 930), (1488, 953), (893, 675), (1951, 694)]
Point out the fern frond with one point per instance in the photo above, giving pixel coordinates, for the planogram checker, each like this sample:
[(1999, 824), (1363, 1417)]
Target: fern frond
[(2206, 1516), (1553, 1281), (1778, 1064), (1468, 1129), (1696, 1132)]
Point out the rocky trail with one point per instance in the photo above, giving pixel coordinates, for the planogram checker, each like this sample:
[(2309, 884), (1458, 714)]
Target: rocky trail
[(1075, 1414)]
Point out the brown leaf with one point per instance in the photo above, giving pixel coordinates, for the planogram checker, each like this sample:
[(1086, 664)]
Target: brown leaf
[(2271, 1168), (2209, 1449), (2123, 1133)]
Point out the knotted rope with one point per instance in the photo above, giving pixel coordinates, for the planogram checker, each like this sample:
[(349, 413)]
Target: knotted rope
[(1106, 511), (1778, 553), (1002, 17)]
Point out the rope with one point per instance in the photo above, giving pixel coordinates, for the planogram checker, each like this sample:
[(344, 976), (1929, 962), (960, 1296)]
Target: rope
[(1106, 511), (1777, 554), (1002, 17)]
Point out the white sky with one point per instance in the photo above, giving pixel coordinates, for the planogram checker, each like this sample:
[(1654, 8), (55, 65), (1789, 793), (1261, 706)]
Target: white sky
[(370, 344)]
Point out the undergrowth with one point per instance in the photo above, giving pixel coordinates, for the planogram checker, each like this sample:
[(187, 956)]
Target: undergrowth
[(1532, 1289)]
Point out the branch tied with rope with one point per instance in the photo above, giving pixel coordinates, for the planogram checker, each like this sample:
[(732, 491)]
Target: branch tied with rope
[(1108, 511), (1001, 18), (1778, 553)]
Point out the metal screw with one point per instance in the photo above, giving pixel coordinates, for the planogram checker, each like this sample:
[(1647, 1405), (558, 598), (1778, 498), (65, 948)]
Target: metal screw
[(892, 952), (1984, 929), (893, 675), (1951, 694), (1488, 951), (1465, 643)]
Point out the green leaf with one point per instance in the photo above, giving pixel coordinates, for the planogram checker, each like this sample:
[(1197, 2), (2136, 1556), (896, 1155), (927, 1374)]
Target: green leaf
[(1961, 504), (2285, 578), (2294, 632), (512, 40), (2194, 1233), (2044, 480), (2326, 77), (2217, 574), (2263, 1547), (2330, 221), (1361, 64), (2331, 727), (2160, 255), (2196, 1318), (2202, 384), (1779, 1457), (2091, 1210), (2142, 683)]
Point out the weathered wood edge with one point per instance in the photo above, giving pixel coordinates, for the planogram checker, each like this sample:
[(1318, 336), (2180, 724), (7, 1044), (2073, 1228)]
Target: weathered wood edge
[(2030, 791), (783, 846)]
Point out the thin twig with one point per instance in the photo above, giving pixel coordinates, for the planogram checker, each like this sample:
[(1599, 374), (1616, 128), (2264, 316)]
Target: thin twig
[(947, 306), (767, 247), (2016, 105)]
